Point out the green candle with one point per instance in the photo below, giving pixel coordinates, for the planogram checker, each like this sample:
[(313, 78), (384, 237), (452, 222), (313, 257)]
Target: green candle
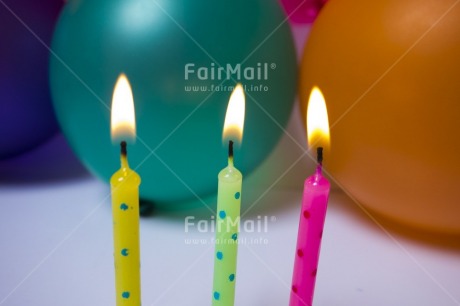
[(228, 209)]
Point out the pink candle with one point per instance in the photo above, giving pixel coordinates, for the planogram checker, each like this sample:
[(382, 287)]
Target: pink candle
[(314, 205), (312, 216)]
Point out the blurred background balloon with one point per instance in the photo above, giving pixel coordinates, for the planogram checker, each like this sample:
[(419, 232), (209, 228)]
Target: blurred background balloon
[(26, 113), (390, 75), (302, 11), (171, 52)]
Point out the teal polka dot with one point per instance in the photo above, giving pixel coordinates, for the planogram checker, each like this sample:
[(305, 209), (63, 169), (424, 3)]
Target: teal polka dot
[(125, 295), (123, 206), (124, 252), (216, 295), (219, 255), (235, 236), (231, 277), (237, 195), (222, 214)]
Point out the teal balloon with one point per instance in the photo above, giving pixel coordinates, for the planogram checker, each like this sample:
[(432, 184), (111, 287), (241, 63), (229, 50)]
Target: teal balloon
[(181, 57)]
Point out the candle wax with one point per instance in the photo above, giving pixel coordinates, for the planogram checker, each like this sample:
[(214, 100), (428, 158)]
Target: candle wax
[(125, 210), (226, 244), (312, 217)]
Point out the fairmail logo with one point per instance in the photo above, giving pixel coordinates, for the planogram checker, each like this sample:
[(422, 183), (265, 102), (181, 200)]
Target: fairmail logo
[(228, 72)]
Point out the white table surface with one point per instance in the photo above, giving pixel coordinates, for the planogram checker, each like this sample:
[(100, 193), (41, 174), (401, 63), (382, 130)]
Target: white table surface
[(56, 242)]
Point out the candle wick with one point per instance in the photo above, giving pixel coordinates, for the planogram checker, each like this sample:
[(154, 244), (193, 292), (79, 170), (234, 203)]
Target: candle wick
[(319, 155), (124, 151), (230, 149)]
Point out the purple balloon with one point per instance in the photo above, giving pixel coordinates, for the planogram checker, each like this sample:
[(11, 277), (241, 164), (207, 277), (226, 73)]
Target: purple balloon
[(302, 11), (26, 113)]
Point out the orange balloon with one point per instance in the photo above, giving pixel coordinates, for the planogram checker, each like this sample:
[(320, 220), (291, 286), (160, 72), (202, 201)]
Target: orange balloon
[(390, 74)]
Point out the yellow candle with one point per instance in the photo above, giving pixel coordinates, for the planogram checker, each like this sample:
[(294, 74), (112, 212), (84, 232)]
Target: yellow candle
[(125, 210), (125, 203)]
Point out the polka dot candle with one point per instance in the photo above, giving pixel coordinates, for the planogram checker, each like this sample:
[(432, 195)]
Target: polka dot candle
[(228, 219), (125, 209), (228, 210), (313, 211), (311, 225)]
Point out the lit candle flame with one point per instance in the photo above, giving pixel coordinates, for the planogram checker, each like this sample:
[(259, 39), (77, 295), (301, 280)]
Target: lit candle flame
[(317, 120), (234, 119), (123, 121)]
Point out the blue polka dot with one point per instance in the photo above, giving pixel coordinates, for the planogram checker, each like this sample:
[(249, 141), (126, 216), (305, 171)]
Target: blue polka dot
[(125, 295), (235, 236), (231, 277), (216, 295), (237, 195), (219, 255), (124, 252), (222, 214), (123, 206)]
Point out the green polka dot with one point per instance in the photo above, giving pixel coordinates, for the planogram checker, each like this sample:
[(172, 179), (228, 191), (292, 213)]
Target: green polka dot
[(222, 214), (125, 295), (235, 236), (219, 255), (123, 206), (216, 295), (231, 277), (237, 195)]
